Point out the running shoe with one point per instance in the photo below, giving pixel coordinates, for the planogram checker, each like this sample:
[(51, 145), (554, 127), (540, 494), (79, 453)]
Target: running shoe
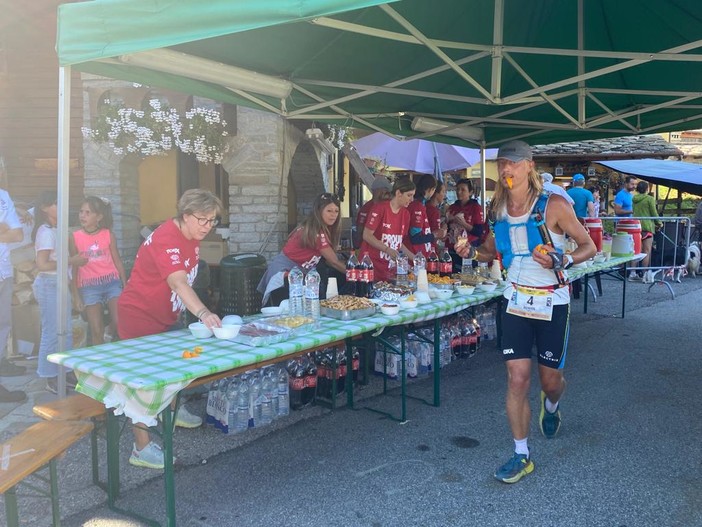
[(151, 456), (634, 277), (549, 423), (185, 419), (515, 469)]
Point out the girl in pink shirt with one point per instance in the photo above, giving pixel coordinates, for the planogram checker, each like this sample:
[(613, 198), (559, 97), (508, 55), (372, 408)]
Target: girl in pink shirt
[(100, 276)]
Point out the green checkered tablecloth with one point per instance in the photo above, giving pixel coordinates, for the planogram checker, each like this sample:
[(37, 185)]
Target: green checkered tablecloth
[(140, 377)]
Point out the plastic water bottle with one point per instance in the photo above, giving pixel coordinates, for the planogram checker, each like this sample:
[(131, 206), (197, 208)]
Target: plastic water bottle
[(267, 387), (232, 405), (211, 397), (272, 375), (283, 392), (221, 416), (254, 400), (402, 269), (312, 294), (242, 407), (295, 291)]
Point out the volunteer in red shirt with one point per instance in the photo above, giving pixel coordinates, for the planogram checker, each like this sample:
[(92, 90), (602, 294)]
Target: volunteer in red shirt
[(311, 245), (420, 237), (436, 223), (386, 228), (160, 289), (464, 216), (381, 188)]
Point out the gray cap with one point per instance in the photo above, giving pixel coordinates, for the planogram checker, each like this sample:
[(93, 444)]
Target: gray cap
[(514, 151), (547, 177), (381, 183)]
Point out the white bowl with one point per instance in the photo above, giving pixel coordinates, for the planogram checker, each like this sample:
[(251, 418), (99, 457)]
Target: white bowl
[(443, 294), (388, 308), (200, 330), (272, 310), (465, 289), (232, 320), (227, 331), (408, 304), (488, 287), (432, 292), (285, 305)]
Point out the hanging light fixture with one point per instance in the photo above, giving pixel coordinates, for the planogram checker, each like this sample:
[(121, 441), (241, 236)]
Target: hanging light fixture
[(177, 63), (426, 124)]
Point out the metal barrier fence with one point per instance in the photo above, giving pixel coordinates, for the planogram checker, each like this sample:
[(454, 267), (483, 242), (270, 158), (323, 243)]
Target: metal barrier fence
[(669, 249)]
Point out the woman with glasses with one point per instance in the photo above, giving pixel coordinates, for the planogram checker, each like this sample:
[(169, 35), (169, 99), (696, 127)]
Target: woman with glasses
[(312, 244), (160, 288), (387, 226)]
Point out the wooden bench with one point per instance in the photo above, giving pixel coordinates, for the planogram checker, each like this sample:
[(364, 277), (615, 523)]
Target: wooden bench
[(77, 407), (30, 450)]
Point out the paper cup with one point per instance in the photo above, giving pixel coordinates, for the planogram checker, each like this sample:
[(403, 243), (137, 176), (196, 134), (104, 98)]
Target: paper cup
[(332, 288)]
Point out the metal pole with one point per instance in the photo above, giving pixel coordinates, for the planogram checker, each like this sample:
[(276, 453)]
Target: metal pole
[(64, 141)]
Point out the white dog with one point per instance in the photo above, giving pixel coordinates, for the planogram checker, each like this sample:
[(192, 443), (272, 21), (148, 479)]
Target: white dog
[(693, 261)]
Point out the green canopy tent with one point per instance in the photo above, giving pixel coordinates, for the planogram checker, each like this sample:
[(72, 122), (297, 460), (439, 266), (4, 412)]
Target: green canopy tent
[(470, 72)]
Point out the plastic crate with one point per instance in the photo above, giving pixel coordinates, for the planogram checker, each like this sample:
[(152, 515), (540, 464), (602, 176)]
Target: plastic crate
[(239, 275)]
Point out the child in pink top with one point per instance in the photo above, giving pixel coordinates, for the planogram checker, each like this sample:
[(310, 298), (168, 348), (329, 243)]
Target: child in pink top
[(100, 277)]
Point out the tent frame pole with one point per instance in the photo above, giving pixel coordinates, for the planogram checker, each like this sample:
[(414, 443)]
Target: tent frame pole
[(62, 193)]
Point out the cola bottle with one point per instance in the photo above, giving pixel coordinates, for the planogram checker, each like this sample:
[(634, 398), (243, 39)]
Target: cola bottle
[(445, 263), (355, 363), (366, 277), (352, 274), (433, 262), (296, 375), (310, 382), (340, 368)]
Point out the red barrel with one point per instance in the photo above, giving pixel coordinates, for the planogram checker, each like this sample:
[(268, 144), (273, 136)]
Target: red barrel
[(594, 227), (632, 227)]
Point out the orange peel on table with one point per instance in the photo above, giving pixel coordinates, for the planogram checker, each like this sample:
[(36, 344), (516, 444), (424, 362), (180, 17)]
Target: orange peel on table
[(195, 353)]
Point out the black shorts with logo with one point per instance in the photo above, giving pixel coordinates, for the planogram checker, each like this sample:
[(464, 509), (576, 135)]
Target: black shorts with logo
[(519, 334)]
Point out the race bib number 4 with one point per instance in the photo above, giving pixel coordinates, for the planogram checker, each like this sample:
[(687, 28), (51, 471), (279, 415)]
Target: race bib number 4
[(530, 302)]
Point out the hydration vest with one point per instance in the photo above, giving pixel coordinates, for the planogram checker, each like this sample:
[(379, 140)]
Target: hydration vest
[(502, 228)]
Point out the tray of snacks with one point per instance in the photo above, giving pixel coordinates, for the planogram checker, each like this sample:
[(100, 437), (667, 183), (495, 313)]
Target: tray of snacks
[(347, 307), (442, 282), (294, 323), (391, 292), (261, 334), (469, 279)]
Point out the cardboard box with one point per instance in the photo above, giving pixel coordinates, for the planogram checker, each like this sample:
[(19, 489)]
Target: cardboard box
[(26, 327)]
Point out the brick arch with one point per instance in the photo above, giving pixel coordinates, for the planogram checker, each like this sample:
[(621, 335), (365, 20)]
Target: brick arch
[(305, 181)]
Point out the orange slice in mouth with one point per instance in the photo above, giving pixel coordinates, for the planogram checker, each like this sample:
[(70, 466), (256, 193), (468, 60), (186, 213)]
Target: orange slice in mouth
[(510, 183)]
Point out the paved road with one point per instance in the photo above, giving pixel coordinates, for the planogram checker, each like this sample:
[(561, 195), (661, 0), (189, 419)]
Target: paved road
[(628, 454)]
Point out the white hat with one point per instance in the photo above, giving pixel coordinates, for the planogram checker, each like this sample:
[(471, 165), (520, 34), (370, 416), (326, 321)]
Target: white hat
[(547, 177)]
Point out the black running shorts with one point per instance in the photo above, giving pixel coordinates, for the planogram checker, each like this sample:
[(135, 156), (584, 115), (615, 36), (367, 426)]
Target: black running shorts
[(551, 337)]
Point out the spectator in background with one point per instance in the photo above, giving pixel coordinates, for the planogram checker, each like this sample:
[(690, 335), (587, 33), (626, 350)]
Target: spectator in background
[(596, 195), (549, 186), (45, 290), (583, 201), (645, 205), (100, 277), (623, 204), (380, 188), (10, 232)]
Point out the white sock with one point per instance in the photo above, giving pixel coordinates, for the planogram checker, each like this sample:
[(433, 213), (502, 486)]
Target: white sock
[(550, 407), (520, 446)]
